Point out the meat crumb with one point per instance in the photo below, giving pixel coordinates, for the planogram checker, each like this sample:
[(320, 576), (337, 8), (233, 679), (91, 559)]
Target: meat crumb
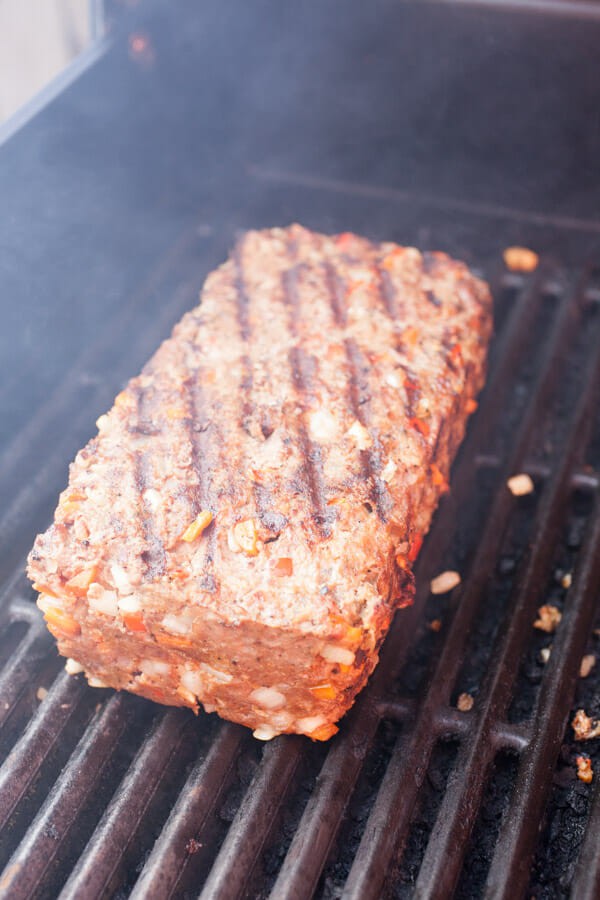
[(520, 259), (435, 625), (445, 582), (193, 846), (587, 664), (549, 618), (584, 727), (566, 581), (41, 693), (585, 772), (465, 702), (521, 485)]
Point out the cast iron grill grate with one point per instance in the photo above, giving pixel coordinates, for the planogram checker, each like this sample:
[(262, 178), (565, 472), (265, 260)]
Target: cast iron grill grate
[(106, 795)]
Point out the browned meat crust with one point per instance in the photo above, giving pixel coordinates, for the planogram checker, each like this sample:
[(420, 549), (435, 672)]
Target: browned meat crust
[(244, 525)]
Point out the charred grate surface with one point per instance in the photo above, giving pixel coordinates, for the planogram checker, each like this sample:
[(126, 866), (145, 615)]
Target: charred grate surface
[(106, 795)]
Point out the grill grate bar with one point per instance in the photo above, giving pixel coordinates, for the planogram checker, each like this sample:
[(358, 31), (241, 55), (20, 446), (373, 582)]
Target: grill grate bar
[(31, 652), (402, 781), (449, 721), (321, 818), (166, 864), (23, 763), (254, 820), (516, 843), (36, 852), (92, 875), (443, 859)]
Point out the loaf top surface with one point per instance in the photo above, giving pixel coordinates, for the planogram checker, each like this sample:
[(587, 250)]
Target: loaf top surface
[(303, 408)]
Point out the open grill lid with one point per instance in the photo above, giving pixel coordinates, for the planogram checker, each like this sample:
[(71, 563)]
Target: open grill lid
[(137, 197)]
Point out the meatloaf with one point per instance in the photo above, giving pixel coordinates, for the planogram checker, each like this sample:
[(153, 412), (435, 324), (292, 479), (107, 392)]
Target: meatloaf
[(242, 528)]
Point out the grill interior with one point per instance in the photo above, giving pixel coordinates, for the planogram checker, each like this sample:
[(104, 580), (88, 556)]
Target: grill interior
[(108, 795)]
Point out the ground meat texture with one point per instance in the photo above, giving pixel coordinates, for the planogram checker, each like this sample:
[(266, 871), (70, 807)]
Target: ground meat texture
[(241, 530)]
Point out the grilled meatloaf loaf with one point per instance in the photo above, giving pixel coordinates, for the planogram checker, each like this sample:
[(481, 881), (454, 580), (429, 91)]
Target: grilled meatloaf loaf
[(242, 528)]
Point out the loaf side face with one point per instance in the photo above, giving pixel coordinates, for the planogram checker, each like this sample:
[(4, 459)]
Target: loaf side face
[(242, 528)]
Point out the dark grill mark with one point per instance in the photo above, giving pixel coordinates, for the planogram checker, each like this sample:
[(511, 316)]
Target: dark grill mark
[(262, 497), (272, 520), (358, 396), (153, 556), (301, 368), (429, 295), (337, 295), (243, 317), (370, 458), (203, 443), (386, 291)]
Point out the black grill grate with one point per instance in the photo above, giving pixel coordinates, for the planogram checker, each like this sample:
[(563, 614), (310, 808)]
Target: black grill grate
[(103, 794)]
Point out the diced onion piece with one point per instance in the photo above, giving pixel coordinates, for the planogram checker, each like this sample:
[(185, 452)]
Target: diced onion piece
[(310, 723), (334, 654), (360, 435), (445, 582), (216, 674), (323, 426), (388, 471), (152, 498), (177, 624), (102, 601), (268, 697), (393, 379), (155, 667), (520, 259), (193, 681), (120, 578), (521, 485), (72, 667), (587, 664), (241, 538), (96, 682), (264, 733)]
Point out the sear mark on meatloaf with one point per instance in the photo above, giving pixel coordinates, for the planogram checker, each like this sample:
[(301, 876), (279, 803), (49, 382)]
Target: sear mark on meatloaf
[(242, 529)]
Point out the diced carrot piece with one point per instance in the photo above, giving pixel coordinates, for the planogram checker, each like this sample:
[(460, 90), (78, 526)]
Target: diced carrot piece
[(471, 406), (419, 425), (324, 732), (324, 692), (78, 585), (410, 336), (195, 528), (44, 589), (415, 547), (176, 641), (354, 634), (390, 260), (134, 622), (58, 620), (283, 567)]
